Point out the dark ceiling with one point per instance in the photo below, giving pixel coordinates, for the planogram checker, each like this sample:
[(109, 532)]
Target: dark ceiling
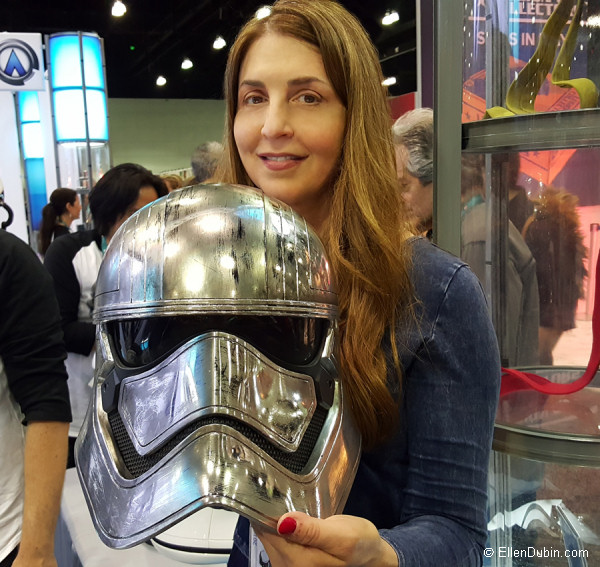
[(154, 36)]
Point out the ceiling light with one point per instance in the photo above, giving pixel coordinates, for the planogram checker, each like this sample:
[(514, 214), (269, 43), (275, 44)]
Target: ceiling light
[(391, 16), (187, 63), (118, 9), (161, 81), (263, 12), (388, 81), (594, 21), (219, 43)]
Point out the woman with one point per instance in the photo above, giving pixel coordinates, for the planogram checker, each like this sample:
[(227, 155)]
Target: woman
[(63, 208), (308, 123)]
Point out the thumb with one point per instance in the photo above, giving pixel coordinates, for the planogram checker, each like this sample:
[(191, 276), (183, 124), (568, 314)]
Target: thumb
[(302, 529)]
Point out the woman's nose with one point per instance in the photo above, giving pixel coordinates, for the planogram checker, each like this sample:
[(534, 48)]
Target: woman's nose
[(277, 121)]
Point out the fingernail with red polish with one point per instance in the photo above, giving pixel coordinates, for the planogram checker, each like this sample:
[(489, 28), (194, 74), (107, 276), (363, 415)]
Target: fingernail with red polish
[(287, 526)]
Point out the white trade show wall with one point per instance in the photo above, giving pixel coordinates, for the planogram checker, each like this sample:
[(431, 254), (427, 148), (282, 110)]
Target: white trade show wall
[(161, 134)]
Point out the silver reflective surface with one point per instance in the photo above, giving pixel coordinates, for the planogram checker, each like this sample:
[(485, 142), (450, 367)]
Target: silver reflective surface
[(216, 374), (217, 248), (214, 422), (216, 466)]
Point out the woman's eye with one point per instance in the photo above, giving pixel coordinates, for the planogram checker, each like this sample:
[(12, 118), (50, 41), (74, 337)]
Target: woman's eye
[(309, 98), (253, 99)]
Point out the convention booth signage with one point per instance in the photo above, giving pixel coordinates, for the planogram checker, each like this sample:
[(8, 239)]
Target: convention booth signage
[(21, 62)]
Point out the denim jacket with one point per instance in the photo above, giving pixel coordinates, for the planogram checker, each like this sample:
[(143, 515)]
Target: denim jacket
[(426, 488)]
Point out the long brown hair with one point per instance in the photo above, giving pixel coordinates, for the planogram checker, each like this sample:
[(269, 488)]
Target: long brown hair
[(51, 212), (366, 229)]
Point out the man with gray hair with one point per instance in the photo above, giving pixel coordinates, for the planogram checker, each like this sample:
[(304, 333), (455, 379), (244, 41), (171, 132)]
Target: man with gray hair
[(204, 161), (413, 139)]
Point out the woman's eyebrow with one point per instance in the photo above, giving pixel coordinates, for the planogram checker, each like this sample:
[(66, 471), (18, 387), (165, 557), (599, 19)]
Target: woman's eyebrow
[(305, 80), (292, 82), (251, 83)]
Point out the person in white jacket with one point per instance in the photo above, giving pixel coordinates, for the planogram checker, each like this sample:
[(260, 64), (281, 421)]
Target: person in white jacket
[(73, 262)]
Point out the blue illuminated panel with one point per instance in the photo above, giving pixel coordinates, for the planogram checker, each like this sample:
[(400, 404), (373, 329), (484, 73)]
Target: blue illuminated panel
[(97, 114), (33, 154), (33, 141), (92, 62), (66, 79), (29, 106), (70, 115), (65, 61), (36, 184)]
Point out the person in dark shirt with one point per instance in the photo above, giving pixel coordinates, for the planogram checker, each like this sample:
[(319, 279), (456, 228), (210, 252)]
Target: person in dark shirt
[(34, 408)]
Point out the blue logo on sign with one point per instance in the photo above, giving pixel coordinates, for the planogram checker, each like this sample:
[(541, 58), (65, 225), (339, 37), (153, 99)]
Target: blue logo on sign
[(18, 62)]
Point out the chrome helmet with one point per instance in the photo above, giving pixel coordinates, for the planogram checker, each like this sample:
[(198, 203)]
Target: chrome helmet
[(216, 382)]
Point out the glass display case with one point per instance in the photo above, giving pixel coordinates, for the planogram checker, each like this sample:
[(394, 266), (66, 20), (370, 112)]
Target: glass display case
[(530, 183), (544, 496), (518, 180)]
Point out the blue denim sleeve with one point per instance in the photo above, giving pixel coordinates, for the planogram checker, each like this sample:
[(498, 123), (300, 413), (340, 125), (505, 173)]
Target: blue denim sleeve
[(426, 488), (450, 397)]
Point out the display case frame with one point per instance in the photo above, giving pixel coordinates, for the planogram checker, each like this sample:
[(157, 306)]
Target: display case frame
[(518, 447)]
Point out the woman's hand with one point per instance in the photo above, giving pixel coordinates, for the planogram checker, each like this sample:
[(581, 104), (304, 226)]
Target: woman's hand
[(337, 541)]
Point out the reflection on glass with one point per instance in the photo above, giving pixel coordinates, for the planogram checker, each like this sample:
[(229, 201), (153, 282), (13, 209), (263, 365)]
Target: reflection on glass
[(534, 217)]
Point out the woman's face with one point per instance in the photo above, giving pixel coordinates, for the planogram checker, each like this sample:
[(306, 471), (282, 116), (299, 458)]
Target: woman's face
[(289, 126), (75, 208)]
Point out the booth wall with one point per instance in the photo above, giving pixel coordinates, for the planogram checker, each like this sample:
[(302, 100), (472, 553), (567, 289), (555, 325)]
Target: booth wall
[(161, 134)]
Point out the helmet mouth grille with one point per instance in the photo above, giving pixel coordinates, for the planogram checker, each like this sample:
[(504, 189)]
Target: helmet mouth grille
[(294, 461)]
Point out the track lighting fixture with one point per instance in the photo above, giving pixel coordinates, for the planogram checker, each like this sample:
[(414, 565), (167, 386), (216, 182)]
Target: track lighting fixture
[(263, 12), (118, 9), (219, 43), (391, 17)]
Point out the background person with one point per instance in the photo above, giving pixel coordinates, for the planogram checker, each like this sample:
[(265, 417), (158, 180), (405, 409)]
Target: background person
[(307, 122), (553, 234), (520, 206), (413, 139), (550, 226), (173, 181), (33, 393), (73, 263), (62, 209), (521, 284), (204, 162)]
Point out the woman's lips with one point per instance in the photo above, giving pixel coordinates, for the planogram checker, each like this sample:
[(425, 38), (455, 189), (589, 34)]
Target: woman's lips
[(280, 162)]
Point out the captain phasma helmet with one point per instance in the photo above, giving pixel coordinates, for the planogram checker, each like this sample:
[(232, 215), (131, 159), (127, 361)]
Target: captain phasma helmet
[(216, 382)]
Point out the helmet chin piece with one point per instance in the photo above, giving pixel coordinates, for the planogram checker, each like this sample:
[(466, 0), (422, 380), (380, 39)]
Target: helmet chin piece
[(216, 381)]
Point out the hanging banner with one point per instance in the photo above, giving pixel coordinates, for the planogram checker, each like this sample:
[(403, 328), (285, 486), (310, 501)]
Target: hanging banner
[(21, 62)]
